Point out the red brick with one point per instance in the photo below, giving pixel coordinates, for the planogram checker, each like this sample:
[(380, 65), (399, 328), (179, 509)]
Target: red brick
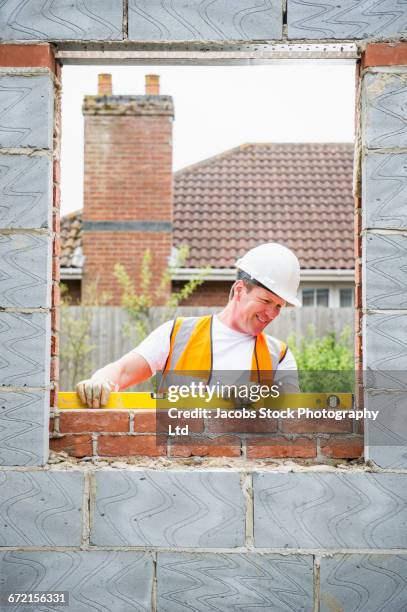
[(114, 190), (54, 370), (54, 345), (38, 55), (51, 424), (53, 396), (57, 172), (358, 296), (222, 446), (348, 448), (357, 245), (150, 422), (55, 319), (280, 447), (75, 445), (385, 54), (56, 222), (358, 273), (358, 320), (56, 295), (304, 425), (242, 425), (124, 446), (358, 346), (56, 196), (94, 420), (56, 269), (56, 247)]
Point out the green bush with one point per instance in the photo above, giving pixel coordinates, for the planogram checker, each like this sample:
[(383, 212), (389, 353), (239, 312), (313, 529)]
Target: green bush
[(324, 364)]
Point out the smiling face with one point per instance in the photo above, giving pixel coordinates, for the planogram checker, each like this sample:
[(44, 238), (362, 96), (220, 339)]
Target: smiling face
[(255, 308)]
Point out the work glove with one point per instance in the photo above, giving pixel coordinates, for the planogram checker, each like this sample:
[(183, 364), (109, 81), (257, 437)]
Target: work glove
[(95, 393)]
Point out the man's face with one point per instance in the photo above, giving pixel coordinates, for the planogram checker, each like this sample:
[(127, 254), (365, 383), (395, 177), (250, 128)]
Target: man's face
[(255, 309)]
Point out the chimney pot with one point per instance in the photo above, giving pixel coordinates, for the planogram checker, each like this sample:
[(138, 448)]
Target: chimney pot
[(152, 85), (105, 85)]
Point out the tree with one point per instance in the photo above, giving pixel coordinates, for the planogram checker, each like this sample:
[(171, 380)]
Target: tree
[(76, 346), (139, 303)]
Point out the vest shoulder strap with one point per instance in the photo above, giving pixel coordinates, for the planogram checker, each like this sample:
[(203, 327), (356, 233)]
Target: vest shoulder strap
[(181, 333)]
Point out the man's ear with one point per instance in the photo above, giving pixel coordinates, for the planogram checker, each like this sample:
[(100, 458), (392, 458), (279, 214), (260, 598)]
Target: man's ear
[(238, 289)]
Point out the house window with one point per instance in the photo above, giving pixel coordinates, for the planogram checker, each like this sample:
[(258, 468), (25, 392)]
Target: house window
[(346, 297), (315, 297)]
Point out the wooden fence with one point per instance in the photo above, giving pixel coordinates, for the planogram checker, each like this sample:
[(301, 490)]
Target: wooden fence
[(109, 339)]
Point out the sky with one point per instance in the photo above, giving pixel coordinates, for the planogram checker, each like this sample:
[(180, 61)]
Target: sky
[(218, 108)]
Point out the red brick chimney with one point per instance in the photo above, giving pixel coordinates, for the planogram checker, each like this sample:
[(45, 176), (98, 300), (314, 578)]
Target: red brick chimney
[(128, 183)]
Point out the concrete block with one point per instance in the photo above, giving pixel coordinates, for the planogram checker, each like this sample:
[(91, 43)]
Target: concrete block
[(25, 270), (384, 109), (25, 191), (41, 508), (26, 109), (385, 271), (229, 582), (177, 508), (363, 582), (217, 20), (344, 19), (120, 581), (24, 349), (330, 510), (386, 436), (384, 351), (384, 185), (24, 419), (62, 20)]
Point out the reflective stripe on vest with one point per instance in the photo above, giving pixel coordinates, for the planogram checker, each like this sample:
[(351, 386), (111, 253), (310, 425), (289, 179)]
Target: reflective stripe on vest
[(191, 350)]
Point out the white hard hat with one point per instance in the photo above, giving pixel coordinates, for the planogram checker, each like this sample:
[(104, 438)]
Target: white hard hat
[(274, 266)]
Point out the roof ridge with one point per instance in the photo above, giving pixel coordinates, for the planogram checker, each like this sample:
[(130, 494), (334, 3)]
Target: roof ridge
[(74, 213), (246, 145)]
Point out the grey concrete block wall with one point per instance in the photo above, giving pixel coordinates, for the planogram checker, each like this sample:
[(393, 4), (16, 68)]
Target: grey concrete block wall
[(349, 510), (384, 191), (384, 261), (363, 582), (384, 271), (25, 269), (116, 581), (155, 508), (345, 19), (41, 508), (27, 98), (193, 20), (26, 109), (25, 191), (201, 582), (61, 20), (386, 436), (24, 420), (384, 118), (24, 349)]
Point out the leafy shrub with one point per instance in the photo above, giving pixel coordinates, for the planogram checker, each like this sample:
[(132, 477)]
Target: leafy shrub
[(324, 364)]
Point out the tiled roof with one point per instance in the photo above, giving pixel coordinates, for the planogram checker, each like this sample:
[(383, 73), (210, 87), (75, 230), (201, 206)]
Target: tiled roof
[(297, 194), (71, 240)]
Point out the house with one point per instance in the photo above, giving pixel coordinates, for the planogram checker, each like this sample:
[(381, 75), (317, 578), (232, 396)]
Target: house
[(299, 194)]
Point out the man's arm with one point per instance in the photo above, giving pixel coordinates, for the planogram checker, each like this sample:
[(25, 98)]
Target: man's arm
[(130, 369)]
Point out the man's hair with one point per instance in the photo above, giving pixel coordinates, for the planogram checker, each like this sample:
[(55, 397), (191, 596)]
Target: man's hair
[(249, 282)]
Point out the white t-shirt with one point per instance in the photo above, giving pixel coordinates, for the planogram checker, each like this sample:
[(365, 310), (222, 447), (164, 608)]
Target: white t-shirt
[(232, 350)]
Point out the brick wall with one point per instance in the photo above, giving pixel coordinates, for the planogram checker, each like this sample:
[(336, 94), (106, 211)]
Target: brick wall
[(210, 293), (114, 433), (128, 186)]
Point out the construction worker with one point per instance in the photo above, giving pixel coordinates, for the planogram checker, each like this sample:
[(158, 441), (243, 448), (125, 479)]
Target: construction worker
[(233, 340)]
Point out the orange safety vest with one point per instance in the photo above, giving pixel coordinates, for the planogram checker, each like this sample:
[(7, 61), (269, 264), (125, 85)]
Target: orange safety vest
[(191, 350)]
